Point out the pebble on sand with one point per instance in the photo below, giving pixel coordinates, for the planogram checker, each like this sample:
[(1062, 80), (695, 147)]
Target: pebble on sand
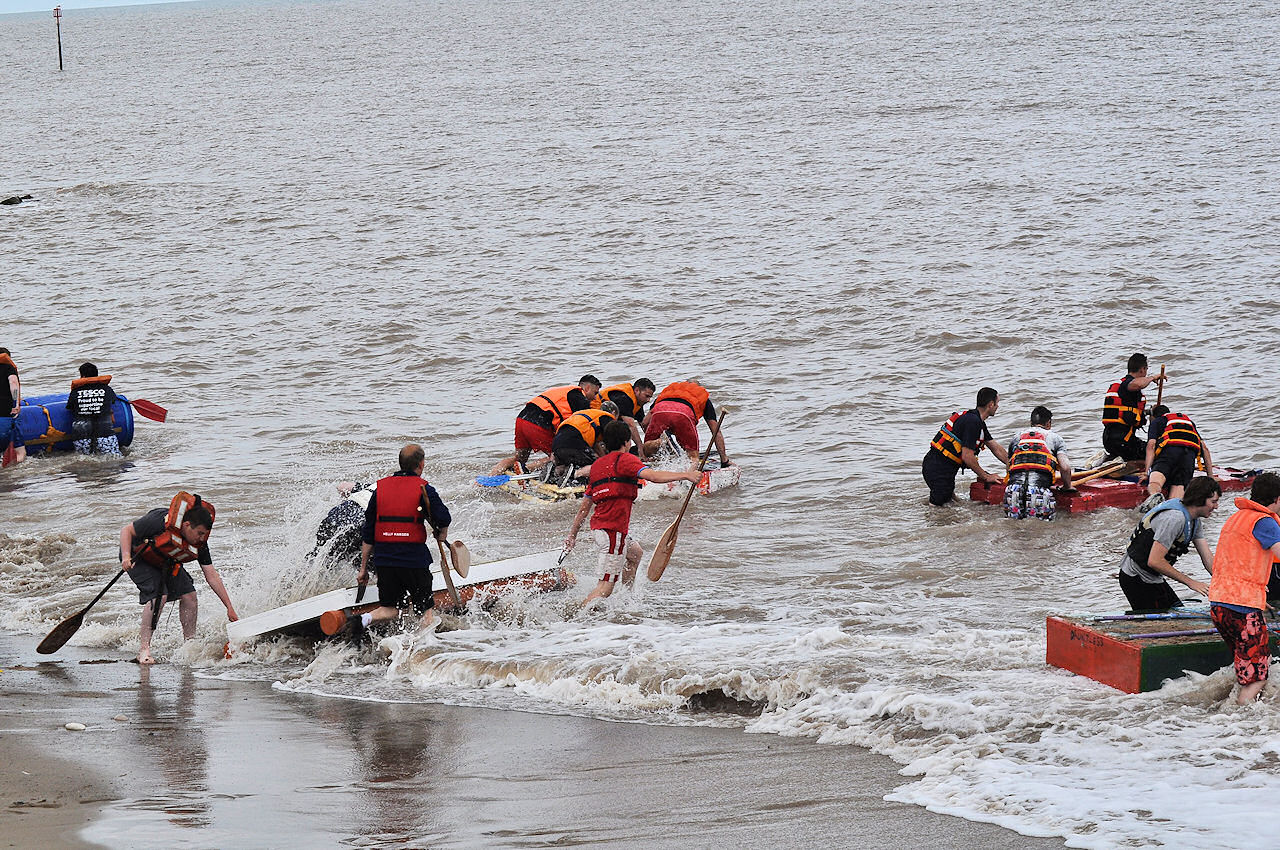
[(75, 727)]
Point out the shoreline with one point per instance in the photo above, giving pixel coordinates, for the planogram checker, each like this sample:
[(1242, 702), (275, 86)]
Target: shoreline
[(218, 759)]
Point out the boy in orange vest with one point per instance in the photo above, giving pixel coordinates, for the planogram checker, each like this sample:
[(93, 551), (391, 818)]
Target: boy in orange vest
[(1247, 548)]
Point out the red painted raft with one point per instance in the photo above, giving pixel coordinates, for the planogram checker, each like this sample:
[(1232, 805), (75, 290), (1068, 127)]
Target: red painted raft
[(1114, 652), (1111, 492)]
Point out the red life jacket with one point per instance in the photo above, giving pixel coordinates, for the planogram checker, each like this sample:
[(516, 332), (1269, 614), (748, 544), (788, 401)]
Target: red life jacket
[(948, 443), (1032, 453), (1116, 412), (607, 484), (169, 549), (1179, 430), (401, 518)]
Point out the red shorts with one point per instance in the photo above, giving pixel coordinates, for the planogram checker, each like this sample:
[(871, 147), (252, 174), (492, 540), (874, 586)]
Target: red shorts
[(530, 436), (677, 418)]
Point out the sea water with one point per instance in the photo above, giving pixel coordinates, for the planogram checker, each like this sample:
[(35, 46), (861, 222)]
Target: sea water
[(317, 231)]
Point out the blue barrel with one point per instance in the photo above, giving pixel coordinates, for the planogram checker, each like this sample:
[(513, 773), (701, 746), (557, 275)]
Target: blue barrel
[(45, 423)]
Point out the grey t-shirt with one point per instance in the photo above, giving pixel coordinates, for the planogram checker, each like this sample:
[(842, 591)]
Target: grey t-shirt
[(1168, 528)]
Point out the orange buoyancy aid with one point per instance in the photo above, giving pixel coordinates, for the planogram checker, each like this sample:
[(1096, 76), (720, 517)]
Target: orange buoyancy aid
[(1179, 430), (169, 549), (694, 395), (93, 400), (401, 517), (1116, 412), (607, 484), (589, 423), (556, 402), (6, 360), (626, 389), (946, 441), (1241, 567), (1032, 453)]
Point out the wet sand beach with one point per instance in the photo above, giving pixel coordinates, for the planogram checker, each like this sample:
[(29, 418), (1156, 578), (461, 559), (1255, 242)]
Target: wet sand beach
[(201, 762)]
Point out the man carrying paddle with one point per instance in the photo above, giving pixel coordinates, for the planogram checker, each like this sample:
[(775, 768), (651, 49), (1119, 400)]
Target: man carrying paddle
[(611, 491), (542, 415), (1247, 547), (1164, 534), (11, 444), (1034, 456), (153, 549), (395, 534), (956, 446), (1123, 411)]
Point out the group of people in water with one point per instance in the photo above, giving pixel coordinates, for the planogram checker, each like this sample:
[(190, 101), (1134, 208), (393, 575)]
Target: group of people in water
[(1244, 572), (89, 401)]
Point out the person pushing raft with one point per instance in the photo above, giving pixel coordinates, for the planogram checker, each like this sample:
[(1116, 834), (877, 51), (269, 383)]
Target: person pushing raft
[(537, 423), (611, 492), (1163, 535), (153, 550), (11, 443), (578, 440), (90, 402), (630, 400), (1124, 411), (677, 409), (1173, 445), (1247, 547), (1034, 456), (957, 444)]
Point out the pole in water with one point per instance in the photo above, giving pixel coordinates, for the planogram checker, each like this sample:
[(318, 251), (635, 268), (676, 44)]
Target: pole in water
[(57, 20)]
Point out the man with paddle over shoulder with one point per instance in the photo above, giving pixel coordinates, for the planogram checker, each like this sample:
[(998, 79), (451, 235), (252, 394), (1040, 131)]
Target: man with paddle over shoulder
[(153, 549), (611, 491)]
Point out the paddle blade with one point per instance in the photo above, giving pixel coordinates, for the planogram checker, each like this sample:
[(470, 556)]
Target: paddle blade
[(150, 410), (662, 552), (61, 633), (492, 480), (461, 558)]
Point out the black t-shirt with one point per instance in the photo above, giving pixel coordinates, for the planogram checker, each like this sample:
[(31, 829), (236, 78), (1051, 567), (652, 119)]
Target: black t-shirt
[(625, 406), (91, 401), (152, 523), (6, 394)]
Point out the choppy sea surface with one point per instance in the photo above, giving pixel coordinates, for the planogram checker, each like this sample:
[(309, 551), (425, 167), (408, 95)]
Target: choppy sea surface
[(316, 231)]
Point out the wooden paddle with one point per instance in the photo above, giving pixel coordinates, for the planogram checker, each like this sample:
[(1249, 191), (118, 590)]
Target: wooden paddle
[(150, 410), (1160, 388), (63, 631), (460, 556), (1105, 469), (447, 573), (667, 543)]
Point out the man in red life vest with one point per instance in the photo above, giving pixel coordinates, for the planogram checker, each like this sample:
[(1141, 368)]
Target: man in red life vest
[(537, 423), (1248, 547), (677, 409), (395, 535), (611, 491), (1173, 444), (10, 401), (153, 549)]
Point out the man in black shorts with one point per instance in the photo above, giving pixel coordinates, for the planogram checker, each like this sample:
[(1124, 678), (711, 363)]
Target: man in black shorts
[(395, 535), (1173, 444), (153, 549)]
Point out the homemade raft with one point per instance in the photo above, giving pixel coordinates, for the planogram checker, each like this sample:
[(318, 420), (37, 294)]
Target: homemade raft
[(45, 423), (1110, 492), (538, 573), (712, 480), (1134, 652)]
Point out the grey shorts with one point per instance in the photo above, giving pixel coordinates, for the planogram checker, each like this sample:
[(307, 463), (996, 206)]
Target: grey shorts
[(154, 582)]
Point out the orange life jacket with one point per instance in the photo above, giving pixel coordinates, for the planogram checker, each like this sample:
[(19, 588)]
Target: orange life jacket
[(169, 549), (589, 423), (1032, 453), (626, 389), (607, 484), (1241, 567), (1179, 430), (694, 395), (556, 402), (1116, 412), (946, 441), (6, 360), (85, 406), (400, 517)]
